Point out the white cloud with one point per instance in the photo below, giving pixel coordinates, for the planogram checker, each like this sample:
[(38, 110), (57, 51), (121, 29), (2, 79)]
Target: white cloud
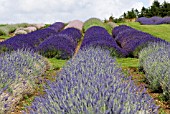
[(49, 11)]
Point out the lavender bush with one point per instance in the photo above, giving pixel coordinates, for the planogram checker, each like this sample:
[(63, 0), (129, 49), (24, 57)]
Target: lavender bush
[(31, 40), (155, 62), (62, 45), (132, 40), (92, 83), (98, 36), (153, 20), (19, 69), (96, 22), (57, 26)]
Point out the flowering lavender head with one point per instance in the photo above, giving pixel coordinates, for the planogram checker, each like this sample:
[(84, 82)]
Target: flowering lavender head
[(92, 83)]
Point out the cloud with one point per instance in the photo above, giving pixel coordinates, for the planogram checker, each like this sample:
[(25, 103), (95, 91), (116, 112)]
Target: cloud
[(49, 11)]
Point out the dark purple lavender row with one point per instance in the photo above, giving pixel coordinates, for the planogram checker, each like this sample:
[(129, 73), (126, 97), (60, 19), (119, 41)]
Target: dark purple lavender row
[(56, 26), (153, 20), (98, 36), (62, 45), (31, 40), (130, 39)]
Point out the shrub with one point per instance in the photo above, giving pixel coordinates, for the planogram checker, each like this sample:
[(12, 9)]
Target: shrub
[(57, 26), (96, 22), (30, 40), (92, 83), (132, 40), (155, 62), (98, 36), (62, 45), (153, 20), (18, 70)]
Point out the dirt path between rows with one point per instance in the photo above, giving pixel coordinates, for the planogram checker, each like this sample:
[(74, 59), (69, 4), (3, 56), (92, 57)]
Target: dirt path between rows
[(1, 40)]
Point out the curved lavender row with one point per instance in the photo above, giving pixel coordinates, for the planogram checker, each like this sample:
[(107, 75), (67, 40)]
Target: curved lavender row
[(130, 39), (119, 29), (155, 61), (57, 26), (73, 32), (153, 20), (99, 36), (62, 45), (31, 40), (18, 71), (91, 83)]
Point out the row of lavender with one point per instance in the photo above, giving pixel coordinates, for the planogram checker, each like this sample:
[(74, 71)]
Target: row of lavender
[(153, 55), (155, 61), (21, 67), (132, 40), (50, 42), (153, 20), (98, 36), (18, 72), (92, 83), (30, 40)]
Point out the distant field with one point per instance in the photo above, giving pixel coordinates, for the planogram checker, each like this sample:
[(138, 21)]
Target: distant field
[(161, 31)]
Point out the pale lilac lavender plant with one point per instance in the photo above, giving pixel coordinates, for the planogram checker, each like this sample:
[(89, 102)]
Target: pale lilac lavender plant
[(92, 83)]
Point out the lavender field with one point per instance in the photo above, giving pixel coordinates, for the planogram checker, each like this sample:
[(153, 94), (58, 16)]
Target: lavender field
[(90, 80)]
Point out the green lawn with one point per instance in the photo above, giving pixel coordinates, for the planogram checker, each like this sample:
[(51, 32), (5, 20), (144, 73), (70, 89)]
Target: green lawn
[(128, 62), (4, 37), (161, 31), (57, 63)]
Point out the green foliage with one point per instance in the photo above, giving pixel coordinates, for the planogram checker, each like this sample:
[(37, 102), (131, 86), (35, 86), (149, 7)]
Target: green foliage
[(96, 22)]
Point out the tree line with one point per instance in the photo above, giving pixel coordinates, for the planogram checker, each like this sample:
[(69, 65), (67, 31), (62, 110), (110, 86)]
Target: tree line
[(156, 9)]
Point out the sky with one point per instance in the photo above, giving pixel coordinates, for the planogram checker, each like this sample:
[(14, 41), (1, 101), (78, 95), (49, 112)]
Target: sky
[(50, 11)]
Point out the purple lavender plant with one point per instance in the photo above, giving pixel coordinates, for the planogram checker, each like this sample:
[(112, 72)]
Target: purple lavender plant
[(98, 36), (57, 26), (155, 60), (92, 83), (153, 20), (31, 40), (130, 39), (18, 71), (62, 45)]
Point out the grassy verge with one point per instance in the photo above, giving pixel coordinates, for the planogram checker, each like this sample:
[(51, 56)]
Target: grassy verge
[(161, 31), (57, 63), (128, 62), (4, 37)]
